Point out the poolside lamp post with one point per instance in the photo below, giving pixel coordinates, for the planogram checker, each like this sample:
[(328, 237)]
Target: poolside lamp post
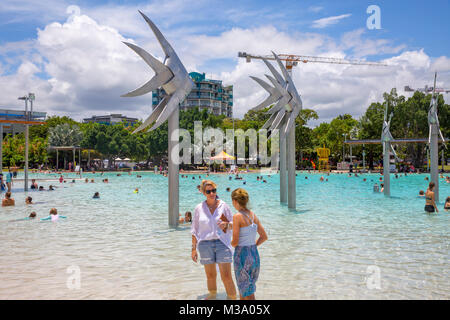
[(30, 98), (343, 150), (174, 79), (364, 159)]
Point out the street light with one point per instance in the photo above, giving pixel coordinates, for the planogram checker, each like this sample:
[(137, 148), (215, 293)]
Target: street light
[(343, 150), (30, 98)]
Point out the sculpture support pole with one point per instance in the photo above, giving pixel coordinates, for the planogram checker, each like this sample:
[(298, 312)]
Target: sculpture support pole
[(283, 182), (26, 147), (173, 169), (290, 138), (291, 167), (386, 169), (434, 156), (1, 148)]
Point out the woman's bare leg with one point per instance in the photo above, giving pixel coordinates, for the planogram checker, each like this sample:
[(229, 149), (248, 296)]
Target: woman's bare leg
[(227, 279), (211, 275)]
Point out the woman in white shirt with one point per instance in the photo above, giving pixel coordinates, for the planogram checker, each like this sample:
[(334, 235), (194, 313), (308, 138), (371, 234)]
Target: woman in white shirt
[(211, 236)]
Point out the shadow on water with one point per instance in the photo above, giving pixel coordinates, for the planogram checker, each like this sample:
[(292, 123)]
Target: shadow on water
[(295, 211)]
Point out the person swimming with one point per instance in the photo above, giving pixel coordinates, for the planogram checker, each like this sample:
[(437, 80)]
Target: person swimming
[(41, 188), (376, 188), (8, 201), (28, 200), (421, 194), (136, 190), (228, 189), (447, 204), (33, 184), (187, 218), (430, 204), (51, 188), (30, 217), (54, 216), (96, 195)]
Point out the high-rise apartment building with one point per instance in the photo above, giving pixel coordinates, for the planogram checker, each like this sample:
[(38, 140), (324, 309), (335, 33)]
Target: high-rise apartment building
[(206, 94)]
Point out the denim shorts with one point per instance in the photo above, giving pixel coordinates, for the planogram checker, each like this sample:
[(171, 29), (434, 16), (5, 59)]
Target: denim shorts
[(214, 251)]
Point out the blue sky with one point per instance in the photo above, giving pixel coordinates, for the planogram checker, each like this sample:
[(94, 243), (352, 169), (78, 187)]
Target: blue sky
[(413, 31), (419, 24)]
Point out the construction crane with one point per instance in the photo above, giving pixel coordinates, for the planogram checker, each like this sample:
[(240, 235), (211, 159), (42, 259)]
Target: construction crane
[(292, 60), (427, 89)]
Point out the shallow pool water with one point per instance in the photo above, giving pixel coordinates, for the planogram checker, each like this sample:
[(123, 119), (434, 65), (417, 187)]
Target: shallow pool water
[(343, 242)]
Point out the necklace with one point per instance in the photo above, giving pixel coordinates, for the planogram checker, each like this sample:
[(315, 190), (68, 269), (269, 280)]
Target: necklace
[(211, 207)]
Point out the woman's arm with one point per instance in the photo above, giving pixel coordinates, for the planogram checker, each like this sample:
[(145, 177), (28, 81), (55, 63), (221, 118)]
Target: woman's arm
[(194, 254), (236, 229), (262, 233), (194, 232), (434, 202)]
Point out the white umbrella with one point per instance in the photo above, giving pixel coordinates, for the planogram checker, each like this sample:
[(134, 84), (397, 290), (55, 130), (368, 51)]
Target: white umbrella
[(117, 159), (126, 159)]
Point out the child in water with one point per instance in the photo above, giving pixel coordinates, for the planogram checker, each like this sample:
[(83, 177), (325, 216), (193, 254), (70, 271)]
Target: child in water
[(30, 217), (54, 216)]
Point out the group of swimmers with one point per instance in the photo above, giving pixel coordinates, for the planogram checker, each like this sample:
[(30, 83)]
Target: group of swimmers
[(53, 216)]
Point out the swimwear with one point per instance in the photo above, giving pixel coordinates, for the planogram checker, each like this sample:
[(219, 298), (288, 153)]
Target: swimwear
[(429, 208)]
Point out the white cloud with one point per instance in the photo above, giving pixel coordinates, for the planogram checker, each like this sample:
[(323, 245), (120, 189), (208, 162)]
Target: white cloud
[(441, 64), (88, 68), (315, 9), (354, 41), (325, 22)]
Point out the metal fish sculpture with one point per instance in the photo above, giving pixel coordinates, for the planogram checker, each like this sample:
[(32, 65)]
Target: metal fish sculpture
[(170, 75)]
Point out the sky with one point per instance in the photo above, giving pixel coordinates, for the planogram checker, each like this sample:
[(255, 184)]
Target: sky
[(71, 55)]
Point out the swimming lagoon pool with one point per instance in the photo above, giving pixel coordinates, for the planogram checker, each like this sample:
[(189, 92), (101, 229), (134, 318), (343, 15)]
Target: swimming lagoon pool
[(343, 242)]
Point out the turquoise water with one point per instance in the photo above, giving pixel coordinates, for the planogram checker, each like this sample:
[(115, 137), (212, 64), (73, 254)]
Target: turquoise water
[(327, 249)]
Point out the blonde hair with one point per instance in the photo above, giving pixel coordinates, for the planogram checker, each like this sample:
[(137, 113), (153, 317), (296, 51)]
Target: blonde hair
[(206, 183), (241, 197)]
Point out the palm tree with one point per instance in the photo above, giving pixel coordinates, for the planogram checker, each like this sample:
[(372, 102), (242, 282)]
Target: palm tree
[(65, 135)]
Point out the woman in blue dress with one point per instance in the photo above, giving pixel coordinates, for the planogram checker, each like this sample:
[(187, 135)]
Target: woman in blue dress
[(246, 257)]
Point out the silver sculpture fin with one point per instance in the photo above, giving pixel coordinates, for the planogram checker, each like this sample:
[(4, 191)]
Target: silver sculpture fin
[(170, 76), (272, 98)]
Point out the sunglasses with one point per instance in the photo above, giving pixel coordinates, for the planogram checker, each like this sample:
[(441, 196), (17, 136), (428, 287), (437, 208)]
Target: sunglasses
[(212, 190)]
